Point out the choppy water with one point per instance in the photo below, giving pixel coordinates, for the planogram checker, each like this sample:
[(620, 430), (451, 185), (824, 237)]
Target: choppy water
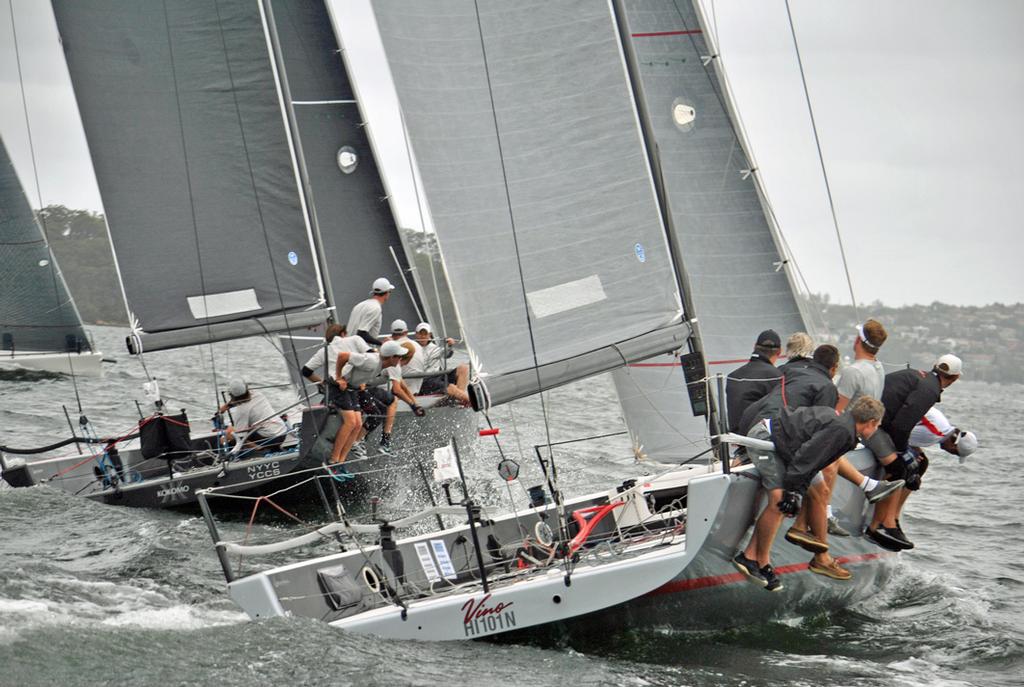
[(92, 594)]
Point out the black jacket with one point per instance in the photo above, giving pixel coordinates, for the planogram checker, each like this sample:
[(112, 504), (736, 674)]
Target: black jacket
[(907, 396), (804, 385), (809, 439), (740, 394)]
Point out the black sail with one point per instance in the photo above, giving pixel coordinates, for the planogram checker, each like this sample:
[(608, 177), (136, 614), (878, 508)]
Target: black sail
[(185, 129), (37, 313)]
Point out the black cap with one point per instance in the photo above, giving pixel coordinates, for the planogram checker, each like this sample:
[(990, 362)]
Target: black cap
[(769, 338)]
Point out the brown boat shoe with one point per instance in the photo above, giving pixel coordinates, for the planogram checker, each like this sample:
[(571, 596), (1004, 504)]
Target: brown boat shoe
[(831, 569), (805, 540)]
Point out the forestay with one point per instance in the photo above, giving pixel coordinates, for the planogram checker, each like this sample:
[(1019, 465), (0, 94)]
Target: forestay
[(187, 138), (37, 313), (736, 280), (524, 129)]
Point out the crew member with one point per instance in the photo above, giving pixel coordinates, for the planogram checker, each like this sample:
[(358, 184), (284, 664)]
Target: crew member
[(454, 382), (806, 440), (908, 395), (753, 380), (366, 317), (254, 418)]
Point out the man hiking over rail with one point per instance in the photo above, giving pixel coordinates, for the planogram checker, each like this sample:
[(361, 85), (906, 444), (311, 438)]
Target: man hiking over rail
[(806, 440)]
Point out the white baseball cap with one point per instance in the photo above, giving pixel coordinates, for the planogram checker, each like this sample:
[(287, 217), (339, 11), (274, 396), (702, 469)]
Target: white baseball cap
[(237, 387), (399, 326), (423, 327), (949, 364), (391, 348), (966, 443), (382, 285)]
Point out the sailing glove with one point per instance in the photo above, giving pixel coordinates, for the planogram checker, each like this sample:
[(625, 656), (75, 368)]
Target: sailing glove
[(912, 469), (790, 503)]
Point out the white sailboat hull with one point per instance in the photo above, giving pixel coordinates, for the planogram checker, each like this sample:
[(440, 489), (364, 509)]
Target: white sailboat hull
[(81, 364), (665, 577)]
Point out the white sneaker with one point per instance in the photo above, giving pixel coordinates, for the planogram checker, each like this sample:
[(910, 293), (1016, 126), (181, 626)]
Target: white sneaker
[(358, 449)]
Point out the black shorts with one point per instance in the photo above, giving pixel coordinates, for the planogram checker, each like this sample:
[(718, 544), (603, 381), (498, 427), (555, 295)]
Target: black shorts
[(437, 384), (337, 398), (375, 400)]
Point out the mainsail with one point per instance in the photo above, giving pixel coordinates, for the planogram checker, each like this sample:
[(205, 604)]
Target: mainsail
[(191, 154), (522, 122), (738, 284), (37, 313)]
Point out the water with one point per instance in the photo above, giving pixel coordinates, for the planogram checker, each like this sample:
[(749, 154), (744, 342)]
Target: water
[(92, 594)]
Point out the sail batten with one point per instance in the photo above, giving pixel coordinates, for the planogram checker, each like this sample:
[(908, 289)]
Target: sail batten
[(526, 139)]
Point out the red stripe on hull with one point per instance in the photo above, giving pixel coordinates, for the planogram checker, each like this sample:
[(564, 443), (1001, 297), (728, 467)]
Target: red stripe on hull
[(717, 580)]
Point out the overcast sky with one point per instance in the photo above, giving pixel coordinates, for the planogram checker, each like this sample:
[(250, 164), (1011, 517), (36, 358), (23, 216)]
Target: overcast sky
[(917, 104)]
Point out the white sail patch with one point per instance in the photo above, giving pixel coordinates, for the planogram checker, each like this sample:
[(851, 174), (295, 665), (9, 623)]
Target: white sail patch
[(567, 296), (220, 304)]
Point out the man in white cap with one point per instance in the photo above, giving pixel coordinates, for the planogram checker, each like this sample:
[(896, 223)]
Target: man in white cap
[(253, 417), (412, 362), (366, 377), (908, 396), (367, 316), (452, 383)]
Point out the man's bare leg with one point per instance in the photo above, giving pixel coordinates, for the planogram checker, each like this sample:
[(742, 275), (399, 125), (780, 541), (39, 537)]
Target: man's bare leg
[(352, 422), (389, 418), (818, 496), (767, 526), (885, 511)]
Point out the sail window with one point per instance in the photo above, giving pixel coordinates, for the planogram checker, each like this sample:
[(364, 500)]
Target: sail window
[(683, 114), (347, 159), (567, 296), (220, 304)]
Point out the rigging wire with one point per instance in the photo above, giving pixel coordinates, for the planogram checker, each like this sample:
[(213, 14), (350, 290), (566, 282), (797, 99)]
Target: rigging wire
[(821, 158), (522, 283), (42, 213)]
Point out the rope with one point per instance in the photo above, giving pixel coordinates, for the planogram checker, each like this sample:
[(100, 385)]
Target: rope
[(821, 159)]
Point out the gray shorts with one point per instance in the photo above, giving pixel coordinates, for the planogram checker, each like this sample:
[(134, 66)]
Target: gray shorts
[(770, 467), (880, 444)]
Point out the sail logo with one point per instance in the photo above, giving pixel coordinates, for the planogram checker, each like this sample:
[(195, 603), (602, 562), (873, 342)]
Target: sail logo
[(641, 254), (173, 492), (293, 258), (480, 618)]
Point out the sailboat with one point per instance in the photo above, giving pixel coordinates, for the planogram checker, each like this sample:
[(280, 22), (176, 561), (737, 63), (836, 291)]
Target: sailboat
[(236, 136), (40, 328), (541, 143)]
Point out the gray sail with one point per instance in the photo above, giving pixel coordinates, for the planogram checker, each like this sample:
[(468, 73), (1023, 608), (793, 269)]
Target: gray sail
[(524, 129), (356, 229), (37, 313), (186, 134), (738, 284)]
